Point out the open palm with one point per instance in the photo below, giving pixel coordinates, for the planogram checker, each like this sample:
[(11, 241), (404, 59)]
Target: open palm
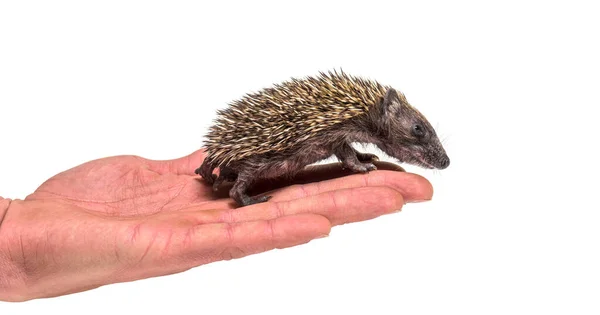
[(125, 218)]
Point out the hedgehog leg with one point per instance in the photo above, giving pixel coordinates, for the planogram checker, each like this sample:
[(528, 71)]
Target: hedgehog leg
[(230, 174), (239, 194), (349, 157)]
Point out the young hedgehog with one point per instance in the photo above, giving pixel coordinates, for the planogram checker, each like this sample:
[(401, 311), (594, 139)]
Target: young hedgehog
[(280, 130)]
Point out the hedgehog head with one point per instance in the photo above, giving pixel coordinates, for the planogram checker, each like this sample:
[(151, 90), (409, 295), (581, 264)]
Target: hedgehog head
[(409, 137)]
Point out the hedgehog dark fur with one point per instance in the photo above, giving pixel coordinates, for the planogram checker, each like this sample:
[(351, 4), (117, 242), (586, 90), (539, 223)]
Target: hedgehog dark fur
[(280, 130)]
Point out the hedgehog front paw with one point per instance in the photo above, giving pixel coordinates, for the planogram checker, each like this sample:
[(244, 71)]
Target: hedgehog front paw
[(360, 167), (366, 157)]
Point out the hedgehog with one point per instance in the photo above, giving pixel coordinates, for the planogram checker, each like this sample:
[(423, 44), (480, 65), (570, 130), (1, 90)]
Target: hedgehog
[(279, 130)]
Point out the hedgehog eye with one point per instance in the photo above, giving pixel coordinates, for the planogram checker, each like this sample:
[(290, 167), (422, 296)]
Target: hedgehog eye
[(418, 130)]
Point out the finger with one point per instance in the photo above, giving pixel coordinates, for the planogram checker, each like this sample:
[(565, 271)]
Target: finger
[(181, 166), (338, 206), (413, 187), (223, 241)]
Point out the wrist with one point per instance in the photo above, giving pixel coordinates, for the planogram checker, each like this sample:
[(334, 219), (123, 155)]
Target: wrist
[(9, 272)]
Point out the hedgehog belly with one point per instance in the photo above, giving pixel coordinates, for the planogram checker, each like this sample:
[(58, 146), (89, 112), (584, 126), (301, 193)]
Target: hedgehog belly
[(280, 164)]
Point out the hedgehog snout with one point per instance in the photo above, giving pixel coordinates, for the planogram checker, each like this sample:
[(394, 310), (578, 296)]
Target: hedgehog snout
[(443, 162)]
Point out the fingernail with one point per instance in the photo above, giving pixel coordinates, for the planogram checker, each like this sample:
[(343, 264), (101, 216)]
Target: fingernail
[(322, 236)]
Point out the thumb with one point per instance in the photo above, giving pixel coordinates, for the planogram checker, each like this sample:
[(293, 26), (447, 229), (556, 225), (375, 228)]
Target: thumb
[(181, 166)]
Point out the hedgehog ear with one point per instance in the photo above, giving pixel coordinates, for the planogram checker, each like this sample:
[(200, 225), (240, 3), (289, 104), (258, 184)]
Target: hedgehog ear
[(391, 102)]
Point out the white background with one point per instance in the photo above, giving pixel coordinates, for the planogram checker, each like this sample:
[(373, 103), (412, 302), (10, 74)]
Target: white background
[(514, 227)]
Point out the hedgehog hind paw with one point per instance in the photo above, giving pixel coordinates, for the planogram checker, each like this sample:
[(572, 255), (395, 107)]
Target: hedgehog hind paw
[(217, 182), (254, 200), (261, 199), (211, 180)]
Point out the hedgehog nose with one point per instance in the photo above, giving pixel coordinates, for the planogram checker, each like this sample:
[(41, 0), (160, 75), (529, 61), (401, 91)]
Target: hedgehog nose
[(444, 162)]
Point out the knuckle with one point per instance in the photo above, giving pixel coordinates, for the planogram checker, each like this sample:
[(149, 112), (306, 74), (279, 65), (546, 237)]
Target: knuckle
[(278, 209)]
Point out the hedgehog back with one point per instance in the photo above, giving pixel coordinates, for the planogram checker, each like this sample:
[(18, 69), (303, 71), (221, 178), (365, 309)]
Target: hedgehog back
[(287, 114)]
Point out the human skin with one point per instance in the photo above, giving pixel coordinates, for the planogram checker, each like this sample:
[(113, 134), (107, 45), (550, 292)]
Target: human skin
[(126, 218)]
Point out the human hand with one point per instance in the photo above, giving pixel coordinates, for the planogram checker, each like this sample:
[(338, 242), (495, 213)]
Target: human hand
[(125, 218)]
